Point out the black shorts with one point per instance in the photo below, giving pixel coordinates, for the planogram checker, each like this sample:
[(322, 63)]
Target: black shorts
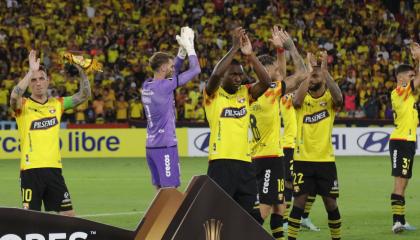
[(237, 179), (315, 177), (288, 163), (270, 180), (402, 157), (44, 185)]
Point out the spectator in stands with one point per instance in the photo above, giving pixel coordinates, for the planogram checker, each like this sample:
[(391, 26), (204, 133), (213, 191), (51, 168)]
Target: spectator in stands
[(109, 104), (4, 94), (122, 109), (80, 113), (98, 108), (189, 110), (350, 102), (136, 110), (365, 39)]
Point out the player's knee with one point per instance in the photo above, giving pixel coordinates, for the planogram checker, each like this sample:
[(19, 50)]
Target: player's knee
[(264, 214), (279, 209), (330, 203), (299, 201)]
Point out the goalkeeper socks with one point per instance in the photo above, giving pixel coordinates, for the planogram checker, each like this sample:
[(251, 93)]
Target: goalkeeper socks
[(308, 205), (288, 200), (276, 225), (398, 208), (294, 223), (334, 222)]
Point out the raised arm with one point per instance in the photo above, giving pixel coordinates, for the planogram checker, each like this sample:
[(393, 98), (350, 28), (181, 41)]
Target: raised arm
[(84, 90), (264, 78), (20, 88), (221, 67), (280, 40), (289, 45), (335, 90), (293, 82), (300, 93), (186, 42), (281, 56), (182, 52), (415, 52)]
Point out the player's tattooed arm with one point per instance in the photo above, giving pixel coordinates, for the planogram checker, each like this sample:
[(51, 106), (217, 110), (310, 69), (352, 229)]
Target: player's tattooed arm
[(20, 88), (415, 52), (221, 67), (84, 89), (289, 45), (335, 90)]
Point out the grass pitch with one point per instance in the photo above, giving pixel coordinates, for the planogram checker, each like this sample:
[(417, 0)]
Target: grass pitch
[(118, 191)]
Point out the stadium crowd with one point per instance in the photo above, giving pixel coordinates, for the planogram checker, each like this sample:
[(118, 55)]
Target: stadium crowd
[(362, 37)]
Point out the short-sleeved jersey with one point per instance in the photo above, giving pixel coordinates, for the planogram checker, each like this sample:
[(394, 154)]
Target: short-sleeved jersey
[(228, 117), (265, 123), (288, 115), (405, 113), (315, 119), (39, 126)]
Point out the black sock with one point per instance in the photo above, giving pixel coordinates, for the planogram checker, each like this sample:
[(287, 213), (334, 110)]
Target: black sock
[(308, 205), (398, 208), (294, 223), (334, 222), (276, 225), (256, 214), (288, 199)]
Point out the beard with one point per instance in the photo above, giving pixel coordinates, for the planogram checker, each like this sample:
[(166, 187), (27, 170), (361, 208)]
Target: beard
[(315, 87)]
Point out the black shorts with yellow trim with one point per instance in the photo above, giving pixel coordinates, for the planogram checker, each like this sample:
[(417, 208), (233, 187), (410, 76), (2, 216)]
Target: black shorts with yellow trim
[(402, 157), (270, 179), (44, 185), (315, 177), (288, 163)]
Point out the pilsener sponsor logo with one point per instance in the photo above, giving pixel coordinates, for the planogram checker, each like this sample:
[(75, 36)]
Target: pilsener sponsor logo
[(44, 123), (316, 117), (233, 112), (51, 236)]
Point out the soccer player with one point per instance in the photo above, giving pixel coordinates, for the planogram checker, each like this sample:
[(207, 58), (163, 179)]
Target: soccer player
[(402, 143), (314, 167), (226, 103), (266, 151), (38, 119), (158, 100), (288, 115)]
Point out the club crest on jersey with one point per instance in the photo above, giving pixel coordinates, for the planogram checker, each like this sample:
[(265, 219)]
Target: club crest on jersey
[(52, 110), (323, 104), (233, 112), (44, 123), (273, 84), (241, 99), (316, 117)]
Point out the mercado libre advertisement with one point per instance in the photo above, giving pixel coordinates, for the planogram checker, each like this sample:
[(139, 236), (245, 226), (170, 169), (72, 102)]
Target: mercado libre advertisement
[(93, 143)]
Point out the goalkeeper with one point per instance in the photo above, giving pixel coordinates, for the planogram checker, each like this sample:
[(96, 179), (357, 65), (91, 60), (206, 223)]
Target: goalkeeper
[(158, 100)]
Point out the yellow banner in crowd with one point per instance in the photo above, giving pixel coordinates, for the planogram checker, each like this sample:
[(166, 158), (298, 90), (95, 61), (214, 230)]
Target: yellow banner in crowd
[(93, 143)]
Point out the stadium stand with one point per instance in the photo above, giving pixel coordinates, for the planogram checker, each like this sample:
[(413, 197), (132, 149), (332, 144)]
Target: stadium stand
[(363, 39)]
